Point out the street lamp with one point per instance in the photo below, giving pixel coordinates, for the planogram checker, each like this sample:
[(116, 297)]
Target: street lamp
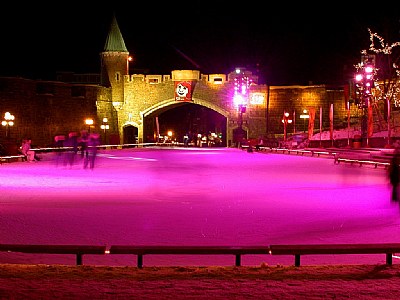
[(89, 122), (305, 116), (105, 127), (285, 120), (170, 134), (7, 122), (364, 82), (242, 83)]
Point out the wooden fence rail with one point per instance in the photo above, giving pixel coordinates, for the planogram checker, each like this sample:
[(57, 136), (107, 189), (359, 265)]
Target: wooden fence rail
[(317, 249), (140, 251), (78, 250), (389, 249)]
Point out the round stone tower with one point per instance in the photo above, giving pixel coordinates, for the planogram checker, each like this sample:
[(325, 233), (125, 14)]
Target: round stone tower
[(114, 68), (114, 62)]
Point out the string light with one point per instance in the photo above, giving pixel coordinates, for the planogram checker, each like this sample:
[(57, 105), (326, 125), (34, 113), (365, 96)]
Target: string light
[(381, 89), (241, 88)]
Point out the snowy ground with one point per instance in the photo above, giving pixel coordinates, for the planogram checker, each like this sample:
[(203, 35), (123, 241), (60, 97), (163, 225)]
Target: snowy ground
[(49, 282), (194, 197)]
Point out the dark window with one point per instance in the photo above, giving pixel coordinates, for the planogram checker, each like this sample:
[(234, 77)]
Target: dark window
[(44, 89), (78, 91)]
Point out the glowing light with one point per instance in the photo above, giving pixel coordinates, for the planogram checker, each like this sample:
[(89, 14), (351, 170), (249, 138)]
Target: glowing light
[(369, 69), (238, 99), (241, 88), (8, 121), (8, 116), (285, 120)]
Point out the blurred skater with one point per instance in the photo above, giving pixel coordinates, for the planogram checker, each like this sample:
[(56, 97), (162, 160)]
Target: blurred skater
[(92, 143), (59, 145), (72, 148), (394, 176), (82, 143)]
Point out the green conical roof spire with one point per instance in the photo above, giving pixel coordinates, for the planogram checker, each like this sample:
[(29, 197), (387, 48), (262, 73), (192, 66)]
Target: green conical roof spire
[(115, 41)]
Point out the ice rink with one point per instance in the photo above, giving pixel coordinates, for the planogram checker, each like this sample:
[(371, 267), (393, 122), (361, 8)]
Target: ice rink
[(194, 196)]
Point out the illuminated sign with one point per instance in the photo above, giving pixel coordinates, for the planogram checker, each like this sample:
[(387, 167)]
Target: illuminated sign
[(184, 90), (257, 98)]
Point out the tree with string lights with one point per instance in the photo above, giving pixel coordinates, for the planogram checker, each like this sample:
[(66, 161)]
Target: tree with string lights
[(378, 77)]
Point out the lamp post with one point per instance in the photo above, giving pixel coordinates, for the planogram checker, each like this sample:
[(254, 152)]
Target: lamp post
[(241, 110), (170, 134), (294, 122), (305, 116), (7, 122), (105, 127), (364, 82), (285, 120), (89, 123), (242, 83)]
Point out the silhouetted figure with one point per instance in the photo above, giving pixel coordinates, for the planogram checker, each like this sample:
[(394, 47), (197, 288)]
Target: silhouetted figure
[(394, 176), (93, 142), (82, 143), (26, 150), (59, 145), (186, 140), (72, 144)]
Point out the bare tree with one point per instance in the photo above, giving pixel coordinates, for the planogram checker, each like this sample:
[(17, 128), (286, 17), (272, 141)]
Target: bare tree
[(384, 58)]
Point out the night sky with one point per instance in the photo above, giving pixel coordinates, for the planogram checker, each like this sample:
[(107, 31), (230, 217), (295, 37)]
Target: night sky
[(284, 45)]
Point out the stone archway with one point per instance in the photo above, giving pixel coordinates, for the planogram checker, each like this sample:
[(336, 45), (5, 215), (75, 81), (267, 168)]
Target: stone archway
[(130, 134), (150, 118)]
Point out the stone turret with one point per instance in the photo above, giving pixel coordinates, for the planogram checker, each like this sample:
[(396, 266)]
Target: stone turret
[(114, 68), (114, 62)]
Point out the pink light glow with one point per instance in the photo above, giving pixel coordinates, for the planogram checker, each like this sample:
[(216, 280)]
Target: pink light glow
[(369, 69), (194, 196), (238, 100)]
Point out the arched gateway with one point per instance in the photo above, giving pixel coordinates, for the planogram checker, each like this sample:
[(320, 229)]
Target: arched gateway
[(153, 129), (138, 99), (146, 98)]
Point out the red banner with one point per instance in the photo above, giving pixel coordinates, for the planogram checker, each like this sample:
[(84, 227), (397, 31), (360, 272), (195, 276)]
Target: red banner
[(311, 122), (184, 90), (331, 122), (370, 130)]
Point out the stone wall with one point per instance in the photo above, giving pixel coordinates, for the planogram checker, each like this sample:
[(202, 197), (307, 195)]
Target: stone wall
[(43, 109)]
